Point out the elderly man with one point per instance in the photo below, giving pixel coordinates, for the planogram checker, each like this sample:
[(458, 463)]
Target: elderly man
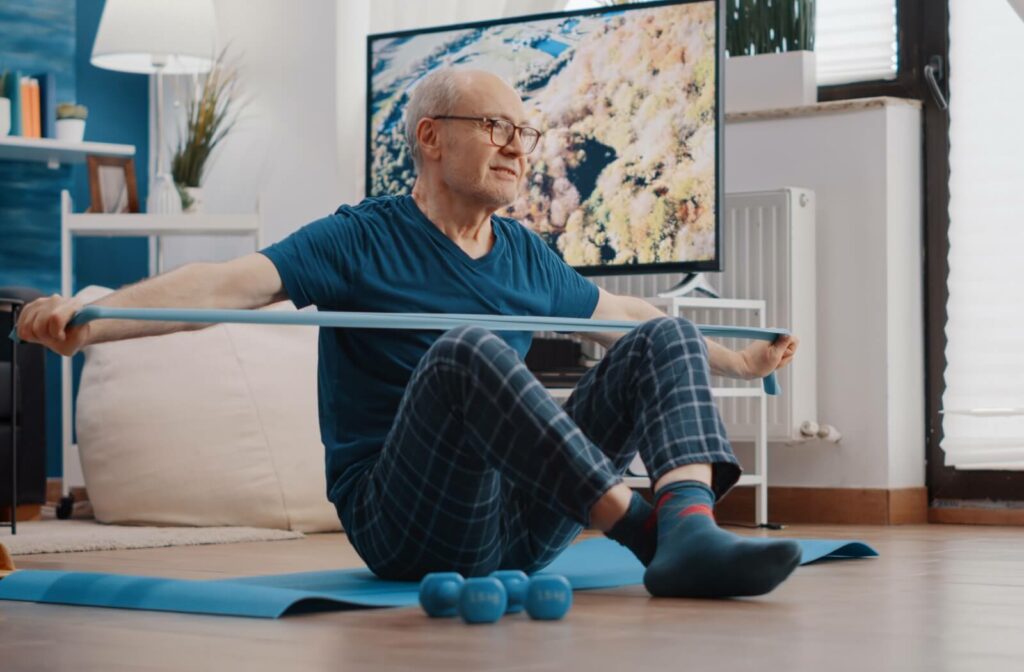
[(445, 453)]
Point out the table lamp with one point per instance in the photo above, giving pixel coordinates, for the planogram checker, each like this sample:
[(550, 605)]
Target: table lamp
[(161, 37)]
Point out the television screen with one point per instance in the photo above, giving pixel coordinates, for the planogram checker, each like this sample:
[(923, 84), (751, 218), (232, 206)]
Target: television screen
[(627, 176)]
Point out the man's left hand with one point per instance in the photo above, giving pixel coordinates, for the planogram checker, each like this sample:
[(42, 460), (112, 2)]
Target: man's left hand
[(762, 357)]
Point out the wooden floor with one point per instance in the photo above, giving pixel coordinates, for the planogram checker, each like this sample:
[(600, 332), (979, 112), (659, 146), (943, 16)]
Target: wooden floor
[(938, 598)]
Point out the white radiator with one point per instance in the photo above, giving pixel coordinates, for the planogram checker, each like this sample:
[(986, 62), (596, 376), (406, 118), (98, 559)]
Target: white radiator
[(768, 253)]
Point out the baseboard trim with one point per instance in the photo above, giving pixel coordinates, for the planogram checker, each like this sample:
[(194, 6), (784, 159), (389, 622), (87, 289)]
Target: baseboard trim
[(26, 512), (54, 489), (969, 516), (843, 506)]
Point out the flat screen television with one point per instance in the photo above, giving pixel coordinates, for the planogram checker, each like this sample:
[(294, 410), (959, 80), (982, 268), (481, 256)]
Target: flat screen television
[(628, 174)]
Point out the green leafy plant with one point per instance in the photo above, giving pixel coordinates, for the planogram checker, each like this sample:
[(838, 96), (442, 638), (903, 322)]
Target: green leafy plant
[(211, 111), (72, 111), (768, 26)]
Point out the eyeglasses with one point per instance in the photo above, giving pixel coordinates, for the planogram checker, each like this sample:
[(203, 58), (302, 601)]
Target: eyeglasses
[(503, 131)]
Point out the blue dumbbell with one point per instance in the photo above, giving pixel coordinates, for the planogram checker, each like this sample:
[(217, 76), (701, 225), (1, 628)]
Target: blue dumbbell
[(439, 593), (482, 600), (548, 597), (479, 600), (515, 582)]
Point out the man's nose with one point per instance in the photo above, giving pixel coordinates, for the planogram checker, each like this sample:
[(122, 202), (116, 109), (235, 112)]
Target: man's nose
[(515, 146)]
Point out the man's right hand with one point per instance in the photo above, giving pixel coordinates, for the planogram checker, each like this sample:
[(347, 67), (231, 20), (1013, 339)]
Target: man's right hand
[(45, 321)]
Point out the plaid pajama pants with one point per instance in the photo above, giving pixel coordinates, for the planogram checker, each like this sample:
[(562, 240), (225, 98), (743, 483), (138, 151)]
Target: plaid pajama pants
[(483, 470)]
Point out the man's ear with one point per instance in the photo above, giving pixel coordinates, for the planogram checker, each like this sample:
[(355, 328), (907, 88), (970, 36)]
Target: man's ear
[(428, 139)]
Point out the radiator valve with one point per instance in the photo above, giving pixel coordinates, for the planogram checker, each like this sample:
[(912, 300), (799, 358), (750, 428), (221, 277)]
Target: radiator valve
[(829, 433), (809, 428)]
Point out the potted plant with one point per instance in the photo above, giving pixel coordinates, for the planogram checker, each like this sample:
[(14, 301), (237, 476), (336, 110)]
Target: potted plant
[(71, 122), (211, 111), (770, 48), (5, 104)]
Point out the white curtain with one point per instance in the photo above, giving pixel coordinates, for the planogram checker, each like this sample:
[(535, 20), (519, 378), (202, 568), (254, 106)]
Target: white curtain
[(983, 422)]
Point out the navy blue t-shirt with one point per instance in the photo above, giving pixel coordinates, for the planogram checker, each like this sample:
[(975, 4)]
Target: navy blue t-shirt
[(384, 255)]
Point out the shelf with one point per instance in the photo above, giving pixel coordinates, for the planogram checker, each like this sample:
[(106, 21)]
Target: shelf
[(200, 224), (644, 482), (54, 152), (698, 302)]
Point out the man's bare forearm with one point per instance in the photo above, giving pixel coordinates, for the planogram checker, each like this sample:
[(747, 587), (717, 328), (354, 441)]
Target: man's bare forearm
[(725, 362), (190, 286), (721, 360), (251, 281), (636, 310)]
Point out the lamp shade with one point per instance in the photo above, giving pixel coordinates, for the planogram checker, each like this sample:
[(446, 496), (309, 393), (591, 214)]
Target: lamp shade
[(141, 35)]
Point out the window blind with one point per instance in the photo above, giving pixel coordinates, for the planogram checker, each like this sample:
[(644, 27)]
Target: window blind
[(855, 40), (983, 421)]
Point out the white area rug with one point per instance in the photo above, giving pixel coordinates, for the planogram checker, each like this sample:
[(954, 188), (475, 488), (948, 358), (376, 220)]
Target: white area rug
[(67, 536)]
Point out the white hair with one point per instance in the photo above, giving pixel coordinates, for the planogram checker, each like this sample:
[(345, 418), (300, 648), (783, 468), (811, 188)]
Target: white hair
[(436, 94)]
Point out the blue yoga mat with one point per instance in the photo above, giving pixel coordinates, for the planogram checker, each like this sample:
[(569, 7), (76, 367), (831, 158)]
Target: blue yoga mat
[(594, 563)]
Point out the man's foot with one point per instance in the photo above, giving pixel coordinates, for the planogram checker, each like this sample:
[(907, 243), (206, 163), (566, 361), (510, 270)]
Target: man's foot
[(696, 558)]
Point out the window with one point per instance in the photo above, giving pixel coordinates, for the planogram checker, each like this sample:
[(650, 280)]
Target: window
[(983, 423)]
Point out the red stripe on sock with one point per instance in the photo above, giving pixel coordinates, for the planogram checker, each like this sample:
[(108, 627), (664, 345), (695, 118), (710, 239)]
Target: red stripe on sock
[(701, 509), (661, 501)]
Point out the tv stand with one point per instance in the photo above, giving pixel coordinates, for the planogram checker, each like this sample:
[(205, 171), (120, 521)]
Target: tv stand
[(691, 283)]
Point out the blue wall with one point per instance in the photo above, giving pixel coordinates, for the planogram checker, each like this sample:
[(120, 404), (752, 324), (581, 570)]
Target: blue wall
[(36, 36), (118, 112), (56, 36)]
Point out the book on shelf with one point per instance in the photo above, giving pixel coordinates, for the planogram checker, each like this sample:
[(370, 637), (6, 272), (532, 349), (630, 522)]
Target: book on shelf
[(29, 94), (33, 115), (33, 105), (26, 108), (14, 93), (47, 104)]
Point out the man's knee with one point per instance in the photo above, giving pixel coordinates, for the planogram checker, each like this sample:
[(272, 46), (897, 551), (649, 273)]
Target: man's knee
[(671, 329), (464, 343)]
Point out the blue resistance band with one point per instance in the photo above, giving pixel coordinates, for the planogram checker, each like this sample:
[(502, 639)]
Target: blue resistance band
[(424, 321)]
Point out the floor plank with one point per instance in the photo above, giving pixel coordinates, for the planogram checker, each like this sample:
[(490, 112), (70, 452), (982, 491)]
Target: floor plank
[(941, 597)]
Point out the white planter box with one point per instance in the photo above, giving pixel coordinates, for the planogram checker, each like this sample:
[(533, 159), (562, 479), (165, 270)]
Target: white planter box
[(770, 81)]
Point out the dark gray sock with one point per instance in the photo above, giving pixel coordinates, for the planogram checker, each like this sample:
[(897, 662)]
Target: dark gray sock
[(696, 558), (637, 530)]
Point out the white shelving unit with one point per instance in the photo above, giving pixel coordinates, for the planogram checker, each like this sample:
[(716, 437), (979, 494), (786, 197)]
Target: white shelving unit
[(759, 477), (54, 152), (115, 225)]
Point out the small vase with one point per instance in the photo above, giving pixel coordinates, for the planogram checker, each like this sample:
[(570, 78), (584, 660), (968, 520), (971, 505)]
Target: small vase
[(196, 204), (71, 130), (5, 116)]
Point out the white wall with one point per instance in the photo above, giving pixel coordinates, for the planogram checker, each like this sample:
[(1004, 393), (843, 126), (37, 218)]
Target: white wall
[(285, 151), (865, 169)]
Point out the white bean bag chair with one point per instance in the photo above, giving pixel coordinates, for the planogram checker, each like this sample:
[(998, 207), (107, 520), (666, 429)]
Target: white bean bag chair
[(206, 428)]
